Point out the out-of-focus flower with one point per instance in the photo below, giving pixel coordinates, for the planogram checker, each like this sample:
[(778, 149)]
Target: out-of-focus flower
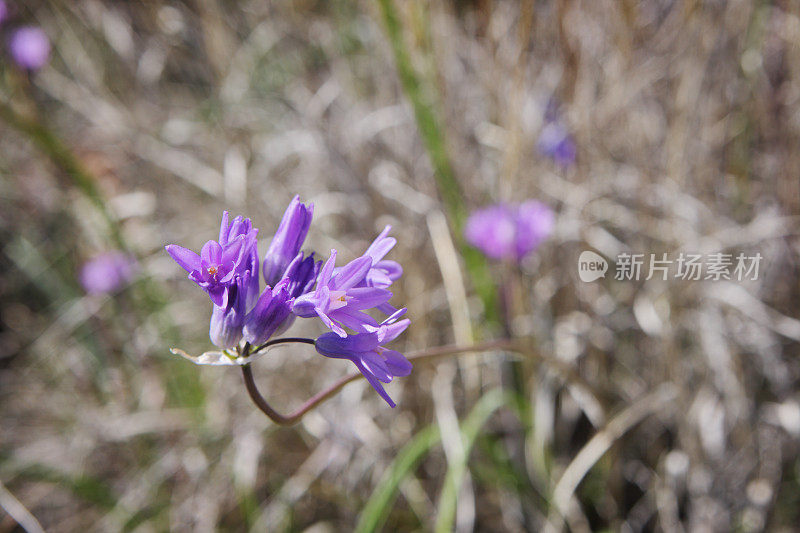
[(220, 262), (107, 272), (556, 143), (225, 329), (338, 300), (506, 231), (288, 240), (30, 47), (377, 363)]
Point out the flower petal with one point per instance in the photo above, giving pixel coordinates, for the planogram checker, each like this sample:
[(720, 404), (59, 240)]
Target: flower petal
[(375, 383), (394, 315), (354, 319), (381, 245), (186, 259), (378, 278), (397, 363), (367, 297), (211, 253), (333, 326), (218, 295), (231, 251), (332, 345), (390, 332), (223, 229), (376, 365), (327, 270), (305, 306), (352, 273), (390, 268)]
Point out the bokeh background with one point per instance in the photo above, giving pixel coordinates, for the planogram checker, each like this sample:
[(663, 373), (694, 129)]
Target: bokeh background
[(637, 406)]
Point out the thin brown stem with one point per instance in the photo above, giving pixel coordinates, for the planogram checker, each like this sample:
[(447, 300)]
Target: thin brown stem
[(314, 401), (259, 400)]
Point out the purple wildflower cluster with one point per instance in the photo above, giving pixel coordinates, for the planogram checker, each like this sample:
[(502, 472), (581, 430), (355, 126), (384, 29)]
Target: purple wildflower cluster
[(509, 231), (296, 285), (28, 46)]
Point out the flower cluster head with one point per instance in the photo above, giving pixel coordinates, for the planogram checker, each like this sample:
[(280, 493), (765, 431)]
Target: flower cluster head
[(297, 285), (509, 231)]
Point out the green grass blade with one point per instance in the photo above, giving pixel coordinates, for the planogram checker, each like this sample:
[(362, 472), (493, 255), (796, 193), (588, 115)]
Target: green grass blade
[(377, 509), (470, 429), (433, 137)]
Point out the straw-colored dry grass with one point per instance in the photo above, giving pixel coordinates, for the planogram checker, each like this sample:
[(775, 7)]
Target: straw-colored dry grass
[(680, 409)]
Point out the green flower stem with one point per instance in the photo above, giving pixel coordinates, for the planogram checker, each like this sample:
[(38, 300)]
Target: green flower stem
[(433, 137)]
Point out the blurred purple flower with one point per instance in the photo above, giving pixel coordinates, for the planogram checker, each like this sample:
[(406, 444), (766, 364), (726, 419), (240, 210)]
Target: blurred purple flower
[(556, 143), (365, 350), (107, 272), (218, 263), (30, 47), (505, 231), (288, 240), (338, 300)]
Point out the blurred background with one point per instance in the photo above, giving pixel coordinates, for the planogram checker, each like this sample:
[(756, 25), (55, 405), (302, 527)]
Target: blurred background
[(651, 126)]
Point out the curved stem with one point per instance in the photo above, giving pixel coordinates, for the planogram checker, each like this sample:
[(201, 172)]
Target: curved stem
[(259, 400), (314, 401)]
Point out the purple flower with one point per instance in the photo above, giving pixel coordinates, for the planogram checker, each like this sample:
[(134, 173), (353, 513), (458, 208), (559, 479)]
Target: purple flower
[(505, 231), (227, 320), (219, 262), (383, 272), (30, 47), (288, 240), (107, 272), (338, 300), (556, 142), (300, 275), (377, 364), (298, 285), (271, 312)]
